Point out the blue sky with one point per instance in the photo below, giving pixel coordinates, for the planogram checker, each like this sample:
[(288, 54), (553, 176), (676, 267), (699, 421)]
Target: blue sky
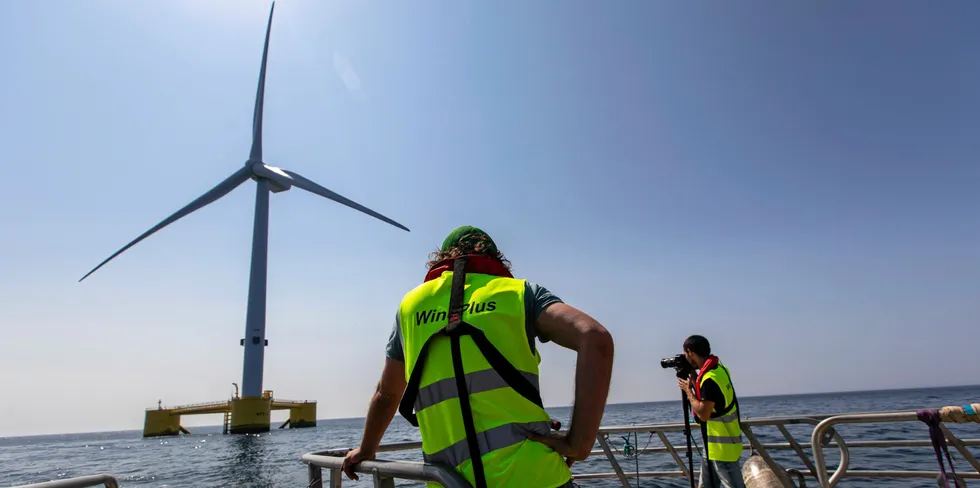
[(795, 181)]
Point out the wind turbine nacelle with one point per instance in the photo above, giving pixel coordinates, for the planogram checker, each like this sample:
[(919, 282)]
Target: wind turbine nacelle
[(278, 180), (275, 187)]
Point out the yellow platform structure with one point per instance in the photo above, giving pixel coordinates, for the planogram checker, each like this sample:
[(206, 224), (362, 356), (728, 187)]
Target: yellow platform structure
[(242, 415)]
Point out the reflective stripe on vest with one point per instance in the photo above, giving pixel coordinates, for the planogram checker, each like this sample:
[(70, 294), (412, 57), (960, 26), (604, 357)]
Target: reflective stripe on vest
[(724, 434), (501, 416), (490, 440), (477, 382)]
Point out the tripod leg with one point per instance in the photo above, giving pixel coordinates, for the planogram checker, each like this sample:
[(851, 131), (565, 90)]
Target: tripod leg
[(687, 436)]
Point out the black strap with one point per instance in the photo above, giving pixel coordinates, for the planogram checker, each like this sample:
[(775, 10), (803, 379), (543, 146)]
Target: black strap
[(724, 411), (514, 379), (511, 376), (733, 404), (455, 320), (456, 294), (467, 413), (454, 330), (734, 396), (407, 405)]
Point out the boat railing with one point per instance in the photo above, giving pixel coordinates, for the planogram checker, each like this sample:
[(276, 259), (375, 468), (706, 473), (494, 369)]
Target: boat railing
[(384, 472), (108, 481), (826, 426)]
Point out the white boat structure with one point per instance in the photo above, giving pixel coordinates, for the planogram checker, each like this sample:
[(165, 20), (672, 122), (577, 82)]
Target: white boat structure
[(760, 470)]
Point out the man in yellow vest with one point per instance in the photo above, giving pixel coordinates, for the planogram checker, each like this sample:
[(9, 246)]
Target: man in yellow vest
[(462, 365), (715, 407)]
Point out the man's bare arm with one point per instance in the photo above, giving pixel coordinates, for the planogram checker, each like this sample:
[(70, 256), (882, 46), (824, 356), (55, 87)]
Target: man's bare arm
[(702, 408), (573, 329), (383, 406)]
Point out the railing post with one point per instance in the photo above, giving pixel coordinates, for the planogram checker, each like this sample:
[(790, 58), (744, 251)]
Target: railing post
[(612, 460), (822, 434), (336, 478), (316, 476), (673, 452), (382, 481), (798, 449)]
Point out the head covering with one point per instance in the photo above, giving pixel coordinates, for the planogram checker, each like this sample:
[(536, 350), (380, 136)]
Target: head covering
[(462, 234)]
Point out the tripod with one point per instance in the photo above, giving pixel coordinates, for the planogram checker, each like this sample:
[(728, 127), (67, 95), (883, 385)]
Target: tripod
[(681, 374)]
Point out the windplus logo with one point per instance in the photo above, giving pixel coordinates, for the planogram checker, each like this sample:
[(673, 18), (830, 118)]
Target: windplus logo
[(435, 316)]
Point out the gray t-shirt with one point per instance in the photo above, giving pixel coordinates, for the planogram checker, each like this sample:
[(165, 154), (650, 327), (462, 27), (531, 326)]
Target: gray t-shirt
[(536, 299)]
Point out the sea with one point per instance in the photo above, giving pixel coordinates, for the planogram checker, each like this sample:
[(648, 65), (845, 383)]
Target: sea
[(206, 458)]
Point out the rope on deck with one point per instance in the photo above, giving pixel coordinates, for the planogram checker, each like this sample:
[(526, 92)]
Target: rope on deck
[(966, 413)]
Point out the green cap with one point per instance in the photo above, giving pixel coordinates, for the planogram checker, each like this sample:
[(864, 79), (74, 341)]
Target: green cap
[(460, 234)]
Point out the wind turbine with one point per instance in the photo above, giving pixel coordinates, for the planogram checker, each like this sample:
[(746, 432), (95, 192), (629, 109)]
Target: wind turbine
[(267, 178)]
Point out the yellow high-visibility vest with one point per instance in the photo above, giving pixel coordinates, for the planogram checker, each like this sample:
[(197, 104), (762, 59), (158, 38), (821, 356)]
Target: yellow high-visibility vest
[(492, 308), (724, 434)]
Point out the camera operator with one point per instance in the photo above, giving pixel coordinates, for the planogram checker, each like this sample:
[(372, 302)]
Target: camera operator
[(715, 406)]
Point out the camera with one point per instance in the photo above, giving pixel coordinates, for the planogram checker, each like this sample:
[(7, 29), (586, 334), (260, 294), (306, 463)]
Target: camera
[(679, 363)]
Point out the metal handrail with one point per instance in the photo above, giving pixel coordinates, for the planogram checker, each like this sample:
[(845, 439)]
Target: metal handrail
[(297, 402), (192, 405), (826, 425), (79, 482), (822, 436), (383, 472)]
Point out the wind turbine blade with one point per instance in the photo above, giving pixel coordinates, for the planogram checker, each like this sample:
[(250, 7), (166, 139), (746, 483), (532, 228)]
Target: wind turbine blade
[(312, 187), (256, 153), (215, 193)]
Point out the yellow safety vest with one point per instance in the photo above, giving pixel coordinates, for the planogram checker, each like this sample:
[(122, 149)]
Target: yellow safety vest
[(724, 434), (501, 416)]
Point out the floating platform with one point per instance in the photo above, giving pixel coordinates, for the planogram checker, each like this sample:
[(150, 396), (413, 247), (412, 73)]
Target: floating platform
[(242, 415)]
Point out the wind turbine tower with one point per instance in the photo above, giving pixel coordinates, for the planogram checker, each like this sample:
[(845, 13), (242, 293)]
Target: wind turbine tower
[(250, 412)]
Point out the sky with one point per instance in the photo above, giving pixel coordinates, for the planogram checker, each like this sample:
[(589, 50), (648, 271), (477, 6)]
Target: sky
[(795, 181)]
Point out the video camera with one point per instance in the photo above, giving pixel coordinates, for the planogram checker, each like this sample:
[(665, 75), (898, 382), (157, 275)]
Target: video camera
[(680, 365)]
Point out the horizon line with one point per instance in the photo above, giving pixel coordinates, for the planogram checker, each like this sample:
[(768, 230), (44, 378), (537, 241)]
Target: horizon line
[(646, 402)]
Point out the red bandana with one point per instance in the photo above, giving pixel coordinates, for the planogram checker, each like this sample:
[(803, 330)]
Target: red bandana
[(709, 363)]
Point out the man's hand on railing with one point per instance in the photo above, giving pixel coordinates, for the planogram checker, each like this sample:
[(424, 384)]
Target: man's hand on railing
[(353, 457)]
